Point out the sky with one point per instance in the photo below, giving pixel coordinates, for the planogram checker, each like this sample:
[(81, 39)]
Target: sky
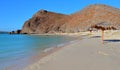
[(13, 13)]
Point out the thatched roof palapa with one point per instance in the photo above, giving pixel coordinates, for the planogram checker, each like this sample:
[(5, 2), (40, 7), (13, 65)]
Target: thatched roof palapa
[(103, 26)]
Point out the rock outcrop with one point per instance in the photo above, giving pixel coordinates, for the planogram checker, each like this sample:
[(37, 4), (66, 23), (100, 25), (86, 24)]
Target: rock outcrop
[(15, 32), (43, 22), (48, 22)]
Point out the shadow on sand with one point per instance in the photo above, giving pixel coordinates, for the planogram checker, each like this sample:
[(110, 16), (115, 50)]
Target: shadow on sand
[(96, 36), (113, 40)]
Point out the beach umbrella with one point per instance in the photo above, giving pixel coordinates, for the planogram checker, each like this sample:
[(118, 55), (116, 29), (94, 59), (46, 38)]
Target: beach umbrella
[(103, 26)]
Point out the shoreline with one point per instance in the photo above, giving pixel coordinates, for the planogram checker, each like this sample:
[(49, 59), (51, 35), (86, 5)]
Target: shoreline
[(43, 62), (51, 50), (41, 54)]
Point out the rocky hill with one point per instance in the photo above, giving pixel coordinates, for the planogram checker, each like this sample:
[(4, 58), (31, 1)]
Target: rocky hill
[(49, 22)]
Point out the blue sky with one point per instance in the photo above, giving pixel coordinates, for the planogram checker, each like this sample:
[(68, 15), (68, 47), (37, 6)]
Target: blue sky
[(13, 13)]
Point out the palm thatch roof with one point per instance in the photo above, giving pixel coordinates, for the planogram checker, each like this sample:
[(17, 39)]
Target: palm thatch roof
[(102, 26)]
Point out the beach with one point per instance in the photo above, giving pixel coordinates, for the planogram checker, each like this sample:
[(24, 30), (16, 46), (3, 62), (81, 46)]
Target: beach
[(86, 54), (66, 35), (19, 51)]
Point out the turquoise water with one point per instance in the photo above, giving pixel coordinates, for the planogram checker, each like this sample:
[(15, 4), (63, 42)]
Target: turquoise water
[(16, 51)]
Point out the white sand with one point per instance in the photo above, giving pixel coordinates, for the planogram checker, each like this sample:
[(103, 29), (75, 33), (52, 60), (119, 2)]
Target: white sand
[(86, 54)]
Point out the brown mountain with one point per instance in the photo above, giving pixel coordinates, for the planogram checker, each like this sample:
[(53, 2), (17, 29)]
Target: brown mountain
[(48, 22)]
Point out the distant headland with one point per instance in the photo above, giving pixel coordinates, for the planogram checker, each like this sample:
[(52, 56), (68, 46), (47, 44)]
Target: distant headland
[(3, 32)]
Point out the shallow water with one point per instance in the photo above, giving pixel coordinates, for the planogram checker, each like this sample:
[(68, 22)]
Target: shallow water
[(16, 51)]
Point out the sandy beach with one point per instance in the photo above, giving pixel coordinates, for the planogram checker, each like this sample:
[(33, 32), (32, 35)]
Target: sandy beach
[(86, 54)]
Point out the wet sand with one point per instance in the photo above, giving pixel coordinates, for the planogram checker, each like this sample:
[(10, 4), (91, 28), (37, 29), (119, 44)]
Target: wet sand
[(86, 54)]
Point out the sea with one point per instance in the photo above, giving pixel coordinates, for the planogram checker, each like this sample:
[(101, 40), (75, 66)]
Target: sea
[(17, 51)]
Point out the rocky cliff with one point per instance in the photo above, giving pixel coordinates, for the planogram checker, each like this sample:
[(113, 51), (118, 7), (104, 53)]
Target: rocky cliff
[(49, 22)]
